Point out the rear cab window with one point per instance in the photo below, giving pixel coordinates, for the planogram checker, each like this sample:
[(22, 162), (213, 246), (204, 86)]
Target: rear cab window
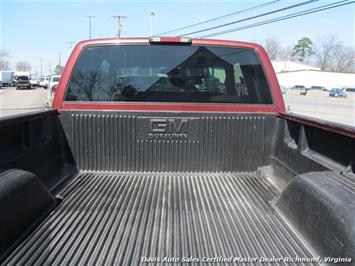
[(168, 73)]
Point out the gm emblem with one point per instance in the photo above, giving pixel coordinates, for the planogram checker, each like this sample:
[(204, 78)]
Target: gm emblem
[(168, 128)]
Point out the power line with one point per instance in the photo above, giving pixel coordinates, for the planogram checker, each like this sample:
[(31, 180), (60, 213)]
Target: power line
[(249, 18), (222, 17), (294, 15)]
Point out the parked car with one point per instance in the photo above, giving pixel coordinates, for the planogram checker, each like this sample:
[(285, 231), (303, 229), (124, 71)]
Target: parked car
[(297, 87), (337, 92), (283, 89), (54, 80), (349, 91), (301, 88), (34, 82), (17, 74), (320, 88), (303, 91), (22, 83), (44, 82), (1, 84)]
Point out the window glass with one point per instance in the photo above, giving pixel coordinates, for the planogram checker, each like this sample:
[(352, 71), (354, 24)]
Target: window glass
[(166, 73)]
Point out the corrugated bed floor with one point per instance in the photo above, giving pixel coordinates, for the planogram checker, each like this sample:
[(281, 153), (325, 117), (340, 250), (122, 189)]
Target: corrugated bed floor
[(116, 219)]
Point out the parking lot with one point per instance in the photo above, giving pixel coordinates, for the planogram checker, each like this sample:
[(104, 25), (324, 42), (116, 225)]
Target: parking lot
[(14, 101), (315, 104), (318, 104)]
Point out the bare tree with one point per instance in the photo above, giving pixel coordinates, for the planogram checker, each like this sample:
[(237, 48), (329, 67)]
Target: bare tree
[(23, 66), (272, 47), (4, 62), (328, 53), (285, 54), (344, 59), (332, 55), (91, 85), (275, 50), (326, 48)]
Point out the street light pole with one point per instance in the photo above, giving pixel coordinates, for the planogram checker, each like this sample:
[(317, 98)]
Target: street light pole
[(90, 17), (59, 59), (119, 25), (152, 15)]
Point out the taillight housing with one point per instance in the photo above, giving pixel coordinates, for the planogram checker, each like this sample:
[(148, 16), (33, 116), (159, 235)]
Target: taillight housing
[(170, 40)]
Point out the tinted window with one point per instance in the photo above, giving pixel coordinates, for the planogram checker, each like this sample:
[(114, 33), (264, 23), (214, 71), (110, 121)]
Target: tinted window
[(22, 78), (156, 73), (55, 79), (337, 90)]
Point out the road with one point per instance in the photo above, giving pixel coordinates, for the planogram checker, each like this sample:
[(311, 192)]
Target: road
[(314, 104), (320, 105), (14, 101)]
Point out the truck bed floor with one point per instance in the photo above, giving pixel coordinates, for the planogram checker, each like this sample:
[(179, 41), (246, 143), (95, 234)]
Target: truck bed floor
[(118, 218)]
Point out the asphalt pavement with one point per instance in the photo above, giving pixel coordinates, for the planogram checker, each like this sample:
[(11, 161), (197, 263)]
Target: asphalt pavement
[(320, 105), (315, 104), (14, 101)]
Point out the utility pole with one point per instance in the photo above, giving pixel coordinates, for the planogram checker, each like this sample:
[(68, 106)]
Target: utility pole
[(49, 67), (41, 66), (59, 59), (152, 15), (119, 25), (90, 17)]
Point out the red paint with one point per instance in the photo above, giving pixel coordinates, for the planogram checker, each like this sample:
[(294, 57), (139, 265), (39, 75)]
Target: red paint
[(269, 71), (181, 107), (322, 124)]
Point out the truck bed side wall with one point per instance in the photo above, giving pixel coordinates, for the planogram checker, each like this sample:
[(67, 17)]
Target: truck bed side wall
[(300, 148), (36, 143)]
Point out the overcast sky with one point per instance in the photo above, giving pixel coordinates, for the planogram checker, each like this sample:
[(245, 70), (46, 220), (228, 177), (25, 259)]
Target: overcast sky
[(35, 30)]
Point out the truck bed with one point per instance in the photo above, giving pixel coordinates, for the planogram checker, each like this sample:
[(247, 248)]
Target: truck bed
[(119, 218)]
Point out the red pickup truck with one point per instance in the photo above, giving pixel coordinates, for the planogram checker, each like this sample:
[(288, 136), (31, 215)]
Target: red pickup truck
[(172, 150)]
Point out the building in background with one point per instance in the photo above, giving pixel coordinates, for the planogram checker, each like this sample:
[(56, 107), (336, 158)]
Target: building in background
[(286, 66), (291, 73)]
